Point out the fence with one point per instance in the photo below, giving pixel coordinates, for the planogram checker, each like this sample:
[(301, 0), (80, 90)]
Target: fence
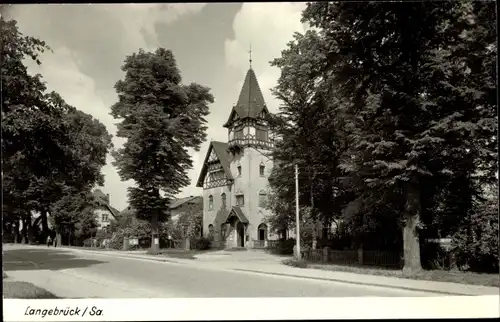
[(259, 244), (272, 243), (353, 257)]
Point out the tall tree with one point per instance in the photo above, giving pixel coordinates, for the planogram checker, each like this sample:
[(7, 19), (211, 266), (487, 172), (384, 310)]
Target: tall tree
[(47, 145), (310, 130), (160, 118), (415, 101)]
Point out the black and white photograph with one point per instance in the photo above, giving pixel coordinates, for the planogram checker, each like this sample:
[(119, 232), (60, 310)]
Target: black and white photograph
[(251, 152)]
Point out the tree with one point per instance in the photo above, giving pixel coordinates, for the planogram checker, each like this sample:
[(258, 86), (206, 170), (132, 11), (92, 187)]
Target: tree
[(160, 118), (190, 221), (418, 101), (311, 131), (47, 145), (74, 212)]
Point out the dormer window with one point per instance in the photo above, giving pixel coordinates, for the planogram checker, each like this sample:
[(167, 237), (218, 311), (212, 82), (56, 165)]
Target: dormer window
[(262, 169)]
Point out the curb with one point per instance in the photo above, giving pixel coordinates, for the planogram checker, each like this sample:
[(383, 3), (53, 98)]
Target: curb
[(356, 283), (143, 257)]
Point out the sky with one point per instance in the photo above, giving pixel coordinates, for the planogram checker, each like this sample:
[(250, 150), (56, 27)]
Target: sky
[(210, 43)]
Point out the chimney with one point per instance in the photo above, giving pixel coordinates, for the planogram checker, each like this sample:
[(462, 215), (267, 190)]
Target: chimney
[(107, 197)]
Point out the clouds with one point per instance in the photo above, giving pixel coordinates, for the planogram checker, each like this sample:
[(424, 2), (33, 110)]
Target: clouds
[(90, 43), (268, 27)]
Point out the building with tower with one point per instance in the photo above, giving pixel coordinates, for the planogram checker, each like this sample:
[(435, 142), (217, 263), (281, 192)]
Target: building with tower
[(234, 176)]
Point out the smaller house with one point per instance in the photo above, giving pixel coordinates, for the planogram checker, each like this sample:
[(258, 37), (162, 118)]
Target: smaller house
[(104, 211), (179, 206)]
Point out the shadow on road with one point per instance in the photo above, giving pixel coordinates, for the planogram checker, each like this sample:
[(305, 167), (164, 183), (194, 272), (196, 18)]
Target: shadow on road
[(38, 259)]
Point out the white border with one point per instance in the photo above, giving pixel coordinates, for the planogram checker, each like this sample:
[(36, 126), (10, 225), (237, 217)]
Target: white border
[(259, 308)]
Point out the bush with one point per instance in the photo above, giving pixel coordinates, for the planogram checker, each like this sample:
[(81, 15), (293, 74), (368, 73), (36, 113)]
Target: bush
[(476, 243), (433, 256), (284, 247), (200, 243)]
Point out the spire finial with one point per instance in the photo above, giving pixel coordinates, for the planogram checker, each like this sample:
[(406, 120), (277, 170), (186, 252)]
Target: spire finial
[(250, 54)]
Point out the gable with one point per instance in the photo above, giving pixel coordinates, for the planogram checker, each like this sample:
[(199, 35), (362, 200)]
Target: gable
[(216, 156)]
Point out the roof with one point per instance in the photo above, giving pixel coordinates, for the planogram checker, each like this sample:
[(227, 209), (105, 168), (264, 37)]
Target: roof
[(179, 202), (100, 195), (236, 211), (251, 101), (224, 157), (103, 201), (129, 210)]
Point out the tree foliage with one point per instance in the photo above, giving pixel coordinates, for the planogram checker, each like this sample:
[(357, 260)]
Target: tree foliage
[(400, 99), (48, 146), (160, 118)]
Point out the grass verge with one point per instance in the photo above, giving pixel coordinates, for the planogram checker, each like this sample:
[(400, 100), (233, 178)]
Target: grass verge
[(25, 290), (426, 275)]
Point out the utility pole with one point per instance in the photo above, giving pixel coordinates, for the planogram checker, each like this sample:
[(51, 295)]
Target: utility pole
[(297, 217)]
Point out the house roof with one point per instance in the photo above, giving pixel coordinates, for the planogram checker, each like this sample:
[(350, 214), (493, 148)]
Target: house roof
[(129, 210), (250, 102), (238, 213), (102, 200), (224, 157), (179, 202)]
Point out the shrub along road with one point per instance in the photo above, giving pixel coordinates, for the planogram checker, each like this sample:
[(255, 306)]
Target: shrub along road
[(77, 274)]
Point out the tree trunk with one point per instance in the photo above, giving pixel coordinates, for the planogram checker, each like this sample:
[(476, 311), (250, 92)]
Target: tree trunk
[(411, 242), (17, 236), (23, 230), (29, 229), (58, 237), (313, 213), (155, 243), (45, 225)]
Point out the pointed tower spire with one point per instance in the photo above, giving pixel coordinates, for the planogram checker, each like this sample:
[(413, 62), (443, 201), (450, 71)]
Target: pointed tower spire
[(250, 55)]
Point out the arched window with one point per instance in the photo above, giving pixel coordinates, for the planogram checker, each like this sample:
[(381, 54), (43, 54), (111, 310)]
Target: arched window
[(262, 169), (223, 198), (262, 199), (262, 232), (211, 232), (239, 170), (210, 202)]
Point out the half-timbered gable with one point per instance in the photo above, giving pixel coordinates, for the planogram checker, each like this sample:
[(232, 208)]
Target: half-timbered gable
[(216, 171)]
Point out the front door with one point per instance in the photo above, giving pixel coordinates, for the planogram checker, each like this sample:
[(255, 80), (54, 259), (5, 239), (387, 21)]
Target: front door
[(262, 233), (241, 235)]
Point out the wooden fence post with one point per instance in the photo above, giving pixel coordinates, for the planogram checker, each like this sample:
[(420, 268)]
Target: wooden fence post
[(326, 250), (360, 256)]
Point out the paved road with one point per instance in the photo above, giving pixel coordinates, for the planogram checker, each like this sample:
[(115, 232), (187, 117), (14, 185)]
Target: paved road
[(73, 274)]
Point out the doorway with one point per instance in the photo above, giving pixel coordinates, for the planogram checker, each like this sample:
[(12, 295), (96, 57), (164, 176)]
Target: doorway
[(262, 229), (240, 228)]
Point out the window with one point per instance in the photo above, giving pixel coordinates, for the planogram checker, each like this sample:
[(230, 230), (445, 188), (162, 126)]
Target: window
[(262, 167), (238, 134), (239, 171), (223, 198), (240, 200), (262, 199), (210, 203), (261, 135), (105, 217)]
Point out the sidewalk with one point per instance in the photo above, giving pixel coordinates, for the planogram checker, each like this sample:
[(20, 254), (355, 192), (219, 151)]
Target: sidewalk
[(274, 267)]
